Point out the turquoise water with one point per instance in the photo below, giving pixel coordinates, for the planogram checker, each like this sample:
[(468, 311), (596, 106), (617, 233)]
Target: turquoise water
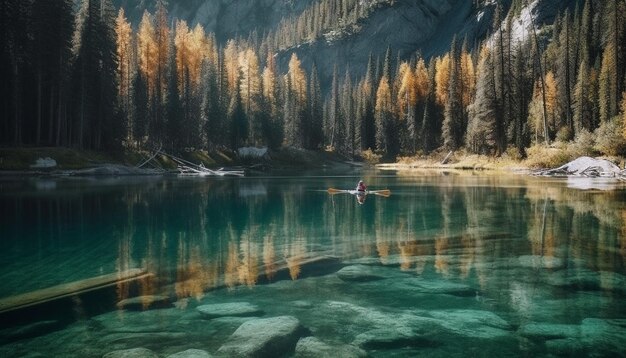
[(448, 265)]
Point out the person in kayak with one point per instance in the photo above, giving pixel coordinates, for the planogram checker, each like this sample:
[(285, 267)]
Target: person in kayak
[(360, 187)]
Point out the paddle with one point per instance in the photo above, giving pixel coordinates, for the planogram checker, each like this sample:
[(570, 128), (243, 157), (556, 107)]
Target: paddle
[(384, 192)]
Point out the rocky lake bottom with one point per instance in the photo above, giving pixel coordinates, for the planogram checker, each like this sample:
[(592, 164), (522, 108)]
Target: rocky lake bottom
[(547, 307)]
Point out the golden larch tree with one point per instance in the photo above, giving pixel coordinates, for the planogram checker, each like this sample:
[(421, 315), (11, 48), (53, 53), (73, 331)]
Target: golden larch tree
[(146, 50), (442, 79)]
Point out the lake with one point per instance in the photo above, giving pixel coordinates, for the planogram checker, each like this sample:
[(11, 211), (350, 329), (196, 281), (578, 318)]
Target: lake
[(450, 264)]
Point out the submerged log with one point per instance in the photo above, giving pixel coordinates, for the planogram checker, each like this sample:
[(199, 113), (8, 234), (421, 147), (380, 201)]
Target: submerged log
[(70, 289)]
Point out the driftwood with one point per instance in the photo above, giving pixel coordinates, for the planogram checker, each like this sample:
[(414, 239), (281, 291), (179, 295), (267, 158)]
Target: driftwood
[(585, 167), (70, 289), (445, 160), (190, 169)]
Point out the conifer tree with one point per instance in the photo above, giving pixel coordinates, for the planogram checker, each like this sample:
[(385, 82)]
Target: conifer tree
[(316, 136), (334, 129), (125, 68), (431, 124), (384, 118), (452, 130)]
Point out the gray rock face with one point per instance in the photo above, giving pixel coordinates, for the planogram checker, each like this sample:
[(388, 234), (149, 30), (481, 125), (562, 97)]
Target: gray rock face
[(269, 337), (358, 273), (232, 309), (131, 353), (311, 347), (191, 353)]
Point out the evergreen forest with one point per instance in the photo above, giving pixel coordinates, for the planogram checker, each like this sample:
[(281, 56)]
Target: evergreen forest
[(80, 75)]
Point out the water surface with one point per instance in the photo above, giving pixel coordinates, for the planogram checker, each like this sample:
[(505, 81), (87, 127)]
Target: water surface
[(449, 264)]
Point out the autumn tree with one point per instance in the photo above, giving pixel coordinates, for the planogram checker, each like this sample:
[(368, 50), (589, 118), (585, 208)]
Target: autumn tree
[(452, 130), (384, 118), (125, 70)]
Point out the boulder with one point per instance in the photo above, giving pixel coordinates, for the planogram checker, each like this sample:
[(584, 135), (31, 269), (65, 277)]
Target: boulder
[(231, 309), (267, 337), (358, 273), (311, 347), (131, 353)]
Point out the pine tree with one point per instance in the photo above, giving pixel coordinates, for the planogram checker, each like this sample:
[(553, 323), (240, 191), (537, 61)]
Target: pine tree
[(334, 129), (583, 100), (347, 110), (483, 128), (125, 69), (250, 91), (431, 123), (452, 129), (316, 136), (383, 115)]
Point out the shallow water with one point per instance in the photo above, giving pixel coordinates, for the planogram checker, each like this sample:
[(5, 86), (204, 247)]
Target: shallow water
[(449, 264)]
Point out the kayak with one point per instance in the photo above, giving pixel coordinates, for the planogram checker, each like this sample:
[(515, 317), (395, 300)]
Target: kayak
[(384, 192)]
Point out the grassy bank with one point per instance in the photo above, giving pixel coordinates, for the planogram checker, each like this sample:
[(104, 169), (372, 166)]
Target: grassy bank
[(21, 159)]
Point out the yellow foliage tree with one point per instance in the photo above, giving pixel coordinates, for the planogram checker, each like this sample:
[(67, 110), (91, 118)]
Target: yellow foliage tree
[(297, 78), (421, 80), (147, 51), (124, 55), (468, 79), (407, 91), (250, 86), (442, 79)]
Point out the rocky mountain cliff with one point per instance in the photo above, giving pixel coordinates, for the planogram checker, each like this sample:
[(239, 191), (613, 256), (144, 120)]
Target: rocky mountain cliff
[(406, 26)]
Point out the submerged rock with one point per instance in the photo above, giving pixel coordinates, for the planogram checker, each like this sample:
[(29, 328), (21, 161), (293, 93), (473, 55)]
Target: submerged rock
[(144, 302), (439, 287), (472, 323), (268, 337), (392, 338), (587, 280), (131, 353), (536, 261), (550, 330), (231, 309), (311, 347), (190, 353), (302, 304), (598, 337), (28, 331), (358, 273)]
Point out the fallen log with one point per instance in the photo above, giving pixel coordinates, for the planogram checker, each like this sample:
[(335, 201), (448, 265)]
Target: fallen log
[(70, 289)]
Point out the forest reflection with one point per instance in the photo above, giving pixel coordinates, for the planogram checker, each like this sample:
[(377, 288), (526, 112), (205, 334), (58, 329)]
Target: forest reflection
[(196, 236)]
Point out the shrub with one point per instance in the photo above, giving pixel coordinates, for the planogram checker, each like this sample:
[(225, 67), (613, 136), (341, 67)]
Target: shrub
[(609, 138), (540, 156), (565, 134), (583, 145), (371, 157)]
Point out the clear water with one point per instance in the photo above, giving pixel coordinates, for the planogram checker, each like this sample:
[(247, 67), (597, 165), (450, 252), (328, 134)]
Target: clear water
[(448, 265)]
